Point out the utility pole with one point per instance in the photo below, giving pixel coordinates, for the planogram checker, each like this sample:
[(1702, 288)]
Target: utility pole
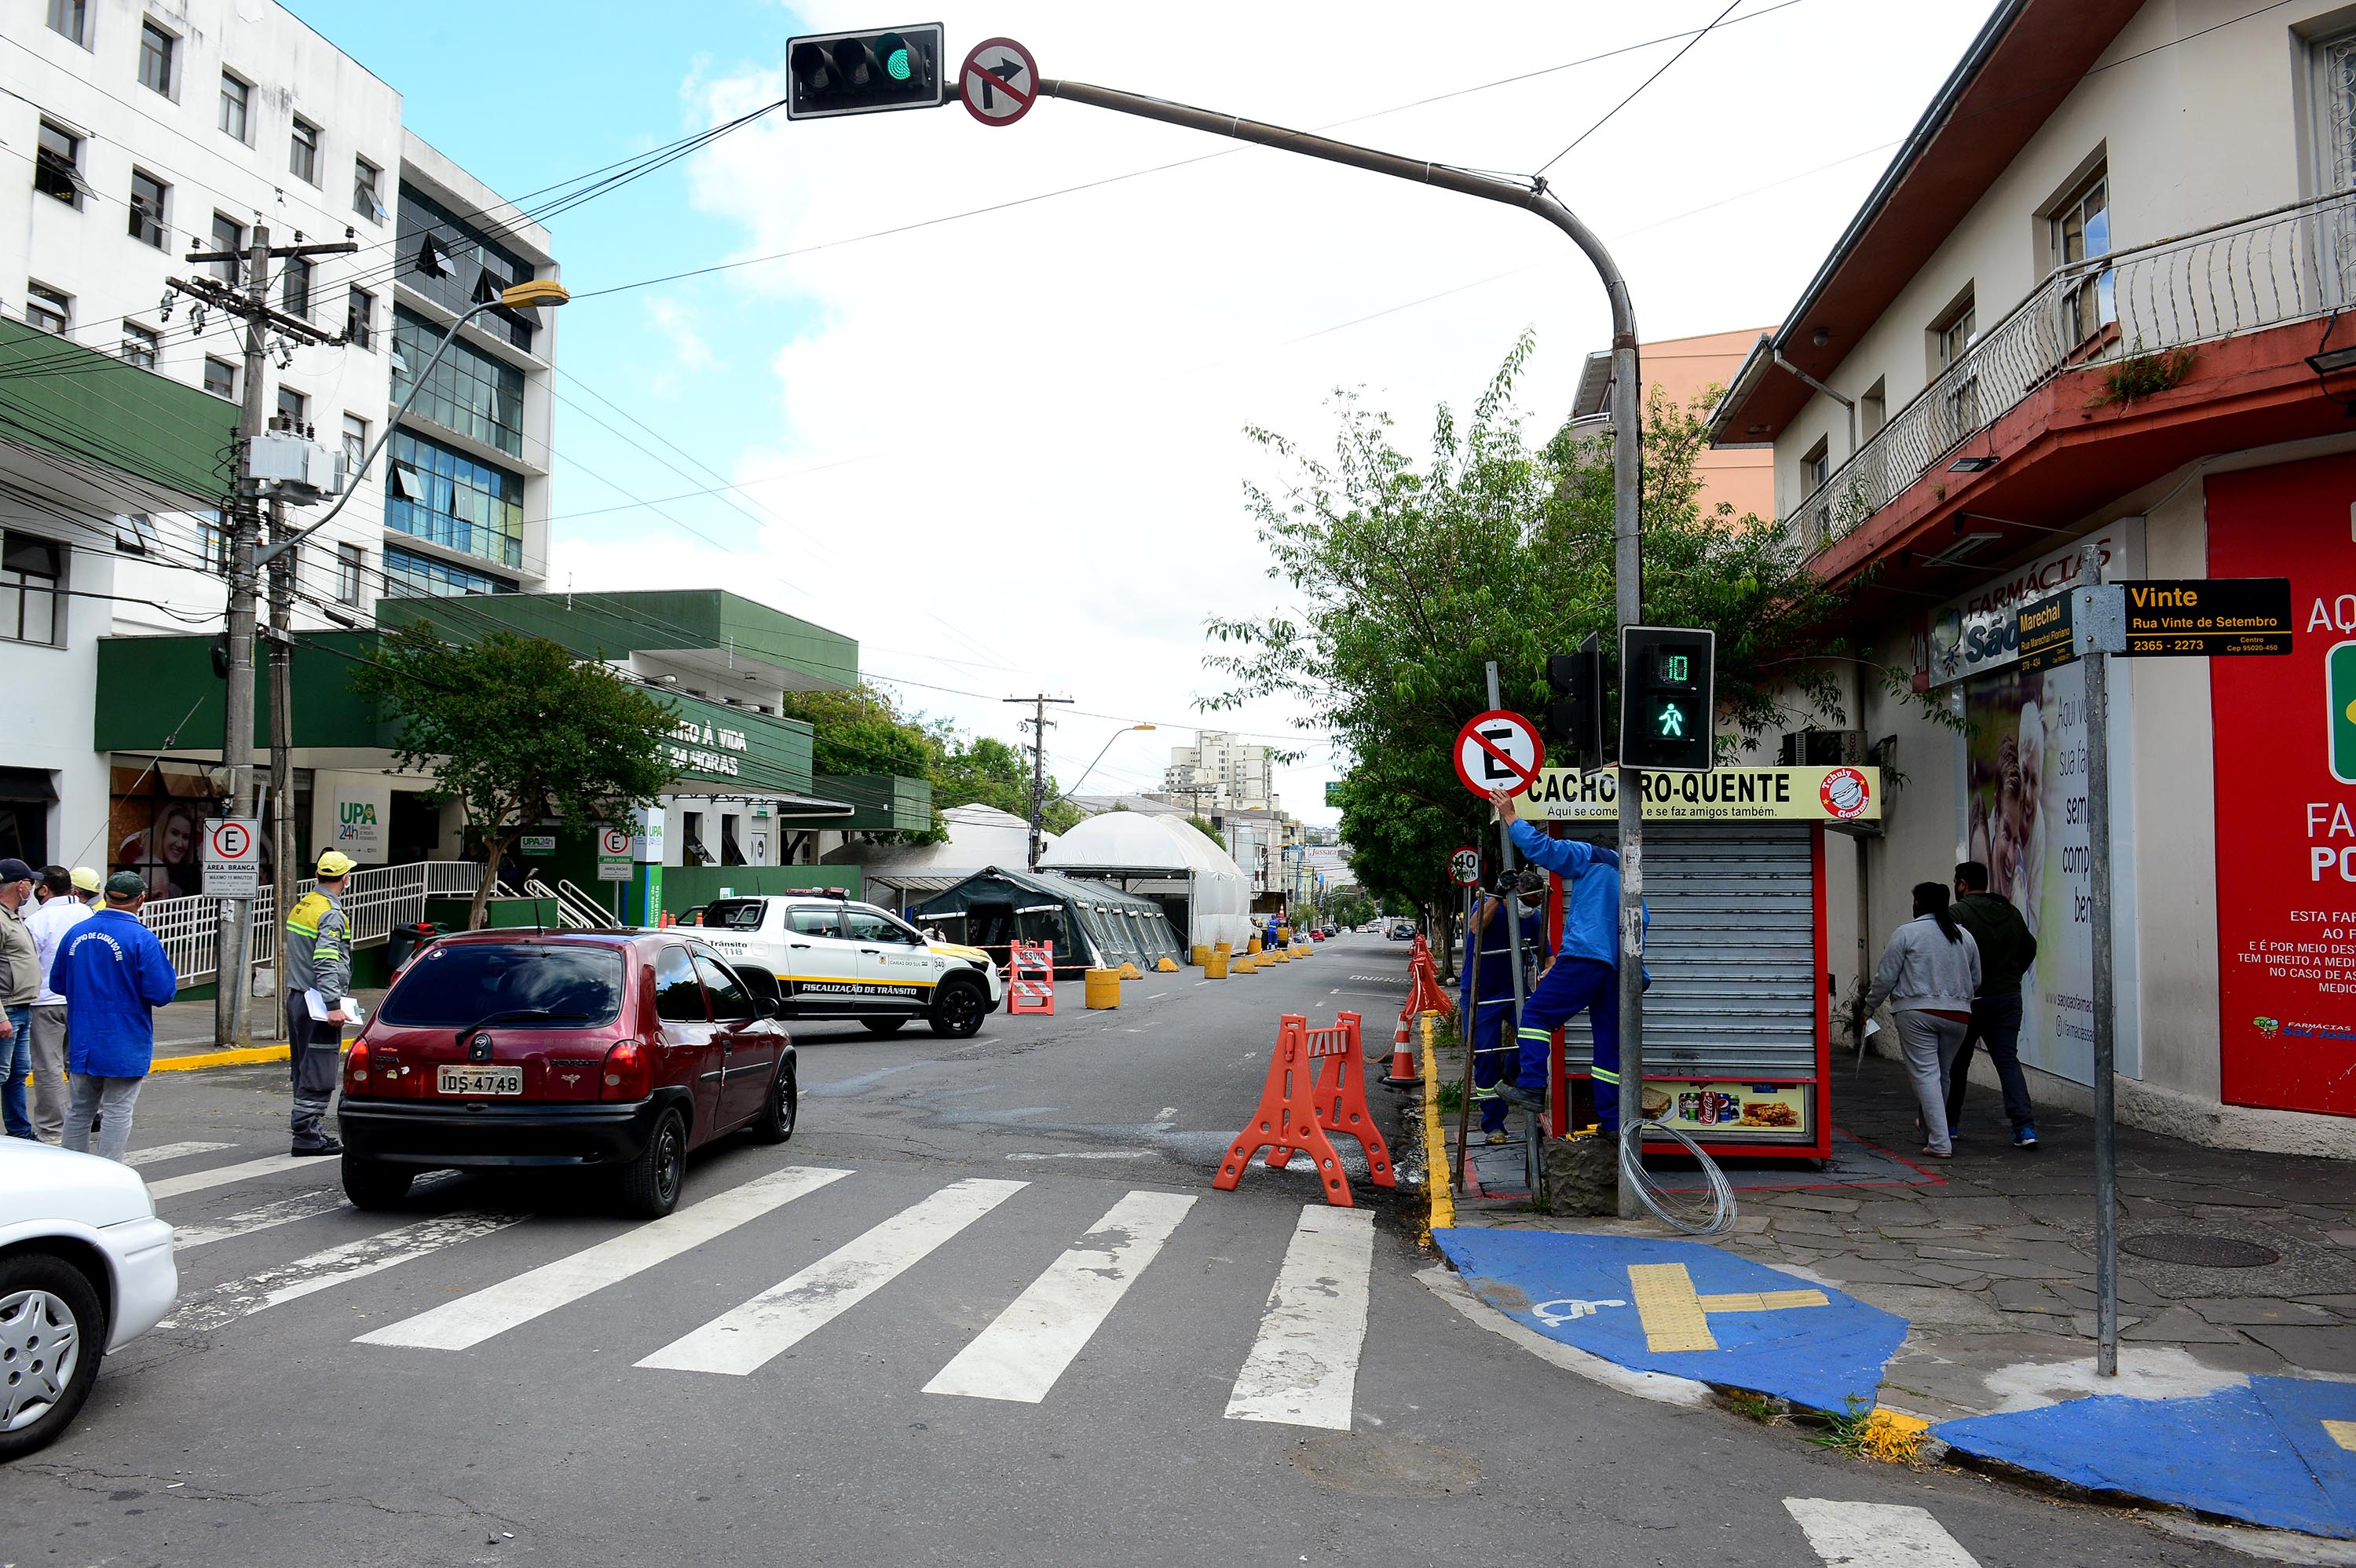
[(1038, 723), (232, 991), (282, 744)]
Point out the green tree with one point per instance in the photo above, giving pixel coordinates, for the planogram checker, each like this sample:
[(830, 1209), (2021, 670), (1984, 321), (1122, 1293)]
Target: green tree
[(517, 730), (1408, 576)]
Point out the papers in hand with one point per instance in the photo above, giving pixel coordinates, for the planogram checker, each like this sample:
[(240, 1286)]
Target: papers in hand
[(320, 1008), (1873, 1027)]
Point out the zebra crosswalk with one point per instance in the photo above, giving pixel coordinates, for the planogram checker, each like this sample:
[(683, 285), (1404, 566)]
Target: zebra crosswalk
[(1300, 1368)]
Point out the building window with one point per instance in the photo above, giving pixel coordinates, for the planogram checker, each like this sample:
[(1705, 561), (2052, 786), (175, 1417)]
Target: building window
[(220, 378), (212, 539), (295, 287), (439, 495), (57, 166), (135, 534), (147, 209), (1816, 467), (71, 19), (234, 96), (32, 570), (469, 391), (351, 561), (49, 309), (1873, 410), (359, 318), (292, 406), (1951, 336), (228, 237), (2081, 231), (355, 445), (453, 261), (368, 198), (139, 345), (303, 155), (156, 48), (407, 573)]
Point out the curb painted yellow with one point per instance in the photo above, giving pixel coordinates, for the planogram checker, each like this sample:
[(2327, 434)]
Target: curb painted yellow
[(241, 1058), (1435, 1149)]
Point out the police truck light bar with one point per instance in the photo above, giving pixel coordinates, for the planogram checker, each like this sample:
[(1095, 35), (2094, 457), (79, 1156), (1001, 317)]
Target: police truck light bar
[(865, 73), (1668, 697)]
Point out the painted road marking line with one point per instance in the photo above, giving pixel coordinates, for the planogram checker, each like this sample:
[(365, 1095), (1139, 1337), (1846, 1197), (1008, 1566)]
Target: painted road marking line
[(1030, 1345), (1876, 1535), (746, 1339), (1677, 1317), (471, 1319), (1089, 1154), (2343, 1433), (1304, 1367), (239, 1298), (163, 1152), (224, 1175), (285, 1211)]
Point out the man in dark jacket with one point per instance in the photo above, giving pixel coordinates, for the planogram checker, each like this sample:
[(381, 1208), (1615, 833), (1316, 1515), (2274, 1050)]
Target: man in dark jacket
[(2006, 949)]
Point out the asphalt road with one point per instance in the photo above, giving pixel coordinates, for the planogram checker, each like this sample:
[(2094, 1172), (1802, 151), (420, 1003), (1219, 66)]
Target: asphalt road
[(957, 1369)]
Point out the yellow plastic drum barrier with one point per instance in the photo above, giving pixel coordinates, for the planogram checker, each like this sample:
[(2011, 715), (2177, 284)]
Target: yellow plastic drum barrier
[(1252, 946), (1200, 956), (1214, 968), (1101, 988)]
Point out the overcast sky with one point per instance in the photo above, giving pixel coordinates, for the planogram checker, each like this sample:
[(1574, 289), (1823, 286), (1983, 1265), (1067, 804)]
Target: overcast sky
[(1006, 451)]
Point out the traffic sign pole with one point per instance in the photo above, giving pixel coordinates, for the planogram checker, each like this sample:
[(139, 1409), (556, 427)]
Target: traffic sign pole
[(1510, 913), (2098, 879)]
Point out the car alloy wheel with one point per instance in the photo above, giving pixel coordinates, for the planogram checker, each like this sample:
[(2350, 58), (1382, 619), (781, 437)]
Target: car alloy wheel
[(40, 1345), (958, 1011)]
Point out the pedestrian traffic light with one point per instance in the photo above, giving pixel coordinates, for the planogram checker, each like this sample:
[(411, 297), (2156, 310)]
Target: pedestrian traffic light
[(1575, 718), (865, 73), (1668, 697)]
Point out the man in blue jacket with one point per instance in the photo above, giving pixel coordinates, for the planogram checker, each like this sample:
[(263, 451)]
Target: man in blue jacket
[(1489, 945), (1585, 974), (113, 974)]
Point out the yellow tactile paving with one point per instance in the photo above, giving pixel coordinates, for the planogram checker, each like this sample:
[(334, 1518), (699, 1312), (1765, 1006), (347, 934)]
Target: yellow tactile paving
[(1765, 1300), (1669, 1309)]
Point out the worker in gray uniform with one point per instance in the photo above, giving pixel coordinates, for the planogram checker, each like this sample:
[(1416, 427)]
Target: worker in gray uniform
[(316, 954)]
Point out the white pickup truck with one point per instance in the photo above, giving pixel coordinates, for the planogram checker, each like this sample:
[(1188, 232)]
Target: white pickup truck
[(838, 959)]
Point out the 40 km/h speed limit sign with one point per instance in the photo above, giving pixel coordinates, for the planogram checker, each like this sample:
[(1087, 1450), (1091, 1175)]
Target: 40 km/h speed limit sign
[(1499, 750), (1464, 867)]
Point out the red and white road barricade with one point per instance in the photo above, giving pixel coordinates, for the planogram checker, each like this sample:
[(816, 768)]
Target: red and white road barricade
[(1031, 977)]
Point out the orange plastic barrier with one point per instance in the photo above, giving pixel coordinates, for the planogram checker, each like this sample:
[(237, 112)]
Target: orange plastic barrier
[(1031, 977), (1316, 1085), (1424, 995)]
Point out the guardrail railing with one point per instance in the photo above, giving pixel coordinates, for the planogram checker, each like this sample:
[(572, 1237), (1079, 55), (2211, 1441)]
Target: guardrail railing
[(2291, 263), (376, 898)]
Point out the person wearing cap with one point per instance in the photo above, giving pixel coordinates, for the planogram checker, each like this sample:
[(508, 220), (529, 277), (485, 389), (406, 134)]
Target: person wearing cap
[(113, 974), (70, 893), (1489, 953), (316, 956), (20, 982)]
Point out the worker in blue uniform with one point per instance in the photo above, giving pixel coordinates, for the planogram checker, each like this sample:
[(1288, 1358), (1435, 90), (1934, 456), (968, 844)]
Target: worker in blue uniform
[(1489, 945), (1585, 974)]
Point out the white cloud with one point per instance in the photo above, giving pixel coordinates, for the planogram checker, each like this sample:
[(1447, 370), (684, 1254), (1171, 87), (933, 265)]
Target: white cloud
[(1034, 417)]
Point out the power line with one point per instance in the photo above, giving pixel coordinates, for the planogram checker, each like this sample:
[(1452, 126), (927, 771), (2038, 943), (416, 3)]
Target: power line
[(1648, 81)]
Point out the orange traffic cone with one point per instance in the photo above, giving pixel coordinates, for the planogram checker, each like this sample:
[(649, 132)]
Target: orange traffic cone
[(1406, 1072)]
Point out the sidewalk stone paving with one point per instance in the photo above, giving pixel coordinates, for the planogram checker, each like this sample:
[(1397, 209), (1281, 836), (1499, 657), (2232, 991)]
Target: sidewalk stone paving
[(1990, 1256)]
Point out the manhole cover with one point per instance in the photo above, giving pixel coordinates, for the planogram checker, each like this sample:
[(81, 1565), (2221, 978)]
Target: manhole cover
[(2201, 1252)]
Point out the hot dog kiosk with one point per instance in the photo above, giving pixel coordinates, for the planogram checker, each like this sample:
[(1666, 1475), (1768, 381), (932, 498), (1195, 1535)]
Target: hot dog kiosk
[(1737, 1023)]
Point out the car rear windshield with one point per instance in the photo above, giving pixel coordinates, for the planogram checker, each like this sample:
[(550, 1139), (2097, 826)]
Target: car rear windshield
[(465, 983), (734, 914)]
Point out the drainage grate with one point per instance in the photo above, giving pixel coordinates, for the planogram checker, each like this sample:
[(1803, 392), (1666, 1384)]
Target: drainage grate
[(2201, 1252)]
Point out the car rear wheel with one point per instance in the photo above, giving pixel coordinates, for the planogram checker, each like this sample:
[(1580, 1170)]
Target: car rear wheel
[(959, 1007), (373, 1184), (882, 1026), (650, 1183), (776, 1123), (52, 1333)]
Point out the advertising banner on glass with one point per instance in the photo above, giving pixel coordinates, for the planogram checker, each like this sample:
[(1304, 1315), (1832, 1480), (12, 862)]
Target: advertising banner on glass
[(2284, 742), (362, 814)]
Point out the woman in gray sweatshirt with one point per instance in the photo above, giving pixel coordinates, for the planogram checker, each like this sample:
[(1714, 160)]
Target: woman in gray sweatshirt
[(1929, 974)]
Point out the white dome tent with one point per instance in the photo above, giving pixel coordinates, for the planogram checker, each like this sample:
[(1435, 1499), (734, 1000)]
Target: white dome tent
[(1168, 859), (896, 875)]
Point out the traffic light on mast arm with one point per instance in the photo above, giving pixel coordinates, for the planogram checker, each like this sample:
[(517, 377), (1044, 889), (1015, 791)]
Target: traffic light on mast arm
[(865, 73), (1668, 697), (1575, 718)]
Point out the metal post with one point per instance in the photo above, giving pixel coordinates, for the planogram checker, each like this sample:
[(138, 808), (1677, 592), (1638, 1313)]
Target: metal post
[(2098, 874), (1471, 1033), (232, 991), (282, 750), (1627, 463)]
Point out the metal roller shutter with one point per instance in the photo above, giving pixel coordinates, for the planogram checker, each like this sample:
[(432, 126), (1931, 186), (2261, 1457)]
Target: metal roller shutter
[(1731, 954)]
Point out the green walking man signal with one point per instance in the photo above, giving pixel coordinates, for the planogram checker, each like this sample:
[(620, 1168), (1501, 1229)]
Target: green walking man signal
[(1668, 697)]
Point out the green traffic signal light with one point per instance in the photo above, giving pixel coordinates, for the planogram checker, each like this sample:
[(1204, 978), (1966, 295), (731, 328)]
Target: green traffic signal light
[(1671, 726), (899, 63)]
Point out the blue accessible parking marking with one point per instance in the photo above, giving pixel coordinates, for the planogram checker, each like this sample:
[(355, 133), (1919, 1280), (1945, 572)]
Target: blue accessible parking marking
[(1686, 1309), (2281, 1452)]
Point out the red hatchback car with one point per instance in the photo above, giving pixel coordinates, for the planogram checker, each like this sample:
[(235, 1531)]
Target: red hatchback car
[(614, 1050)]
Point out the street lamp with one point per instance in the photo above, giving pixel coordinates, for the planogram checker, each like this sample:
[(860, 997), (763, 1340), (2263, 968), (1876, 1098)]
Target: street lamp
[(1100, 757), (532, 293)]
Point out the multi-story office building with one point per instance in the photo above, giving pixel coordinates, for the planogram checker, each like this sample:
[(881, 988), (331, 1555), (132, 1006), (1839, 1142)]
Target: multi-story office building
[(1219, 771)]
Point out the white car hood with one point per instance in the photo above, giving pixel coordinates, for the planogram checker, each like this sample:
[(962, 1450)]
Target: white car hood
[(39, 1182)]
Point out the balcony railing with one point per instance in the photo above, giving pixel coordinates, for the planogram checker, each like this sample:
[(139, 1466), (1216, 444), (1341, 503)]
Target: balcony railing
[(2292, 263), (377, 898)]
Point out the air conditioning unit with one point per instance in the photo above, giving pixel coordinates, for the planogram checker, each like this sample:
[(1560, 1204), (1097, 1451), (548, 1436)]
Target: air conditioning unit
[(1823, 749), (285, 466)]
